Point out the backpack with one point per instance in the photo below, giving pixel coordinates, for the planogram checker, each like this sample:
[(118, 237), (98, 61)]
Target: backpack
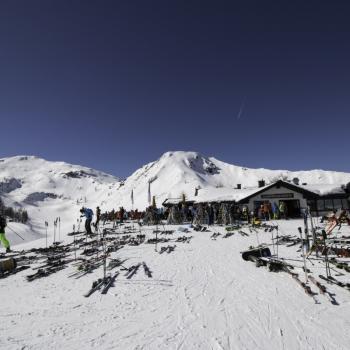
[(89, 213)]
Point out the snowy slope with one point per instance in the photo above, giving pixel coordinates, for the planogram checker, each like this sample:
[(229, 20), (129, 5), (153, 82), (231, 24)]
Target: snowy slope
[(48, 190), (57, 189), (201, 296)]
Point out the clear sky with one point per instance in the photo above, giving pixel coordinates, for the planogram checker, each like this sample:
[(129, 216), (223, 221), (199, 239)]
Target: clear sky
[(114, 84)]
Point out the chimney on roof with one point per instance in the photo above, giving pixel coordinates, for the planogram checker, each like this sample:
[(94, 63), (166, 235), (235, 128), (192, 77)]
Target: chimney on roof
[(239, 186), (261, 183)]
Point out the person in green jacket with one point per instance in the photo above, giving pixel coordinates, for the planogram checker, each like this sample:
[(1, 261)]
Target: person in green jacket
[(282, 210), (3, 238)]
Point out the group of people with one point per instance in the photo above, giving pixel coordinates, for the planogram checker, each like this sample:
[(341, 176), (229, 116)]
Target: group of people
[(268, 211), (114, 215), (88, 214), (202, 213), (221, 213), (206, 213), (121, 215), (224, 213)]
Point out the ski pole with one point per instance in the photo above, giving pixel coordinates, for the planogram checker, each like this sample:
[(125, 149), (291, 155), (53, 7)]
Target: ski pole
[(303, 251), (156, 238), (54, 231), (313, 229), (328, 270), (277, 243), (273, 244), (75, 248), (104, 259), (15, 232), (306, 229), (46, 225)]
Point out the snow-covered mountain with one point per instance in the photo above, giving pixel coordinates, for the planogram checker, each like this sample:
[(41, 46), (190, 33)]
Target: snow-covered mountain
[(48, 190), (175, 173), (57, 189)]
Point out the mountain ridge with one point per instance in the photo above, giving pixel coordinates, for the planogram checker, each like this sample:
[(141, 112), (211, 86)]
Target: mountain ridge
[(49, 189)]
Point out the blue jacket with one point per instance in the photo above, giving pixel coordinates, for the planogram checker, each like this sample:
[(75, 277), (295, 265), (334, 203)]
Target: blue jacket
[(88, 213), (274, 208)]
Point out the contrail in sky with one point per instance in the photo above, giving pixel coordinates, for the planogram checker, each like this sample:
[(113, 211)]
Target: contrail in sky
[(240, 110)]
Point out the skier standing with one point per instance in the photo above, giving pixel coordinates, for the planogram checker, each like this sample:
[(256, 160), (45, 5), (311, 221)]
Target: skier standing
[(261, 212), (282, 210), (266, 210), (275, 210), (98, 217), (3, 239), (244, 214), (210, 212), (88, 213)]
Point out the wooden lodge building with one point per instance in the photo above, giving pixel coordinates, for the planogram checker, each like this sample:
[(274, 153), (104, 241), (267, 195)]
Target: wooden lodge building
[(321, 199)]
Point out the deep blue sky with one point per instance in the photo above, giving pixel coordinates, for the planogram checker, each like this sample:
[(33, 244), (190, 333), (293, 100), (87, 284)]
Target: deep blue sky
[(114, 84)]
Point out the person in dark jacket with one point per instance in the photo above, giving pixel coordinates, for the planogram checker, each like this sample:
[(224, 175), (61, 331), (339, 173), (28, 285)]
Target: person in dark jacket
[(3, 238), (210, 211), (98, 217), (88, 213), (121, 214)]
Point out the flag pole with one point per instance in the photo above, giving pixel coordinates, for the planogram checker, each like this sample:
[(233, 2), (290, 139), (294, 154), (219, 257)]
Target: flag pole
[(132, 208)]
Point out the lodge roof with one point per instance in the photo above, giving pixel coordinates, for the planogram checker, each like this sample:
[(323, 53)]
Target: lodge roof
[(288, 185), (224, 194)]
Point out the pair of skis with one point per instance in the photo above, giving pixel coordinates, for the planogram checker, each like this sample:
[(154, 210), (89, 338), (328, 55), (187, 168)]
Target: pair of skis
[(104, 283), (54, 263), (147, 271), (12, 254), (132, 270), (306, 288), (242, 233), (167, 249), (14, 271), (228, 234), (333, 280), (215, 235), (184, 239), (85, 269), (323, 290), (45, 272), (167, 232)]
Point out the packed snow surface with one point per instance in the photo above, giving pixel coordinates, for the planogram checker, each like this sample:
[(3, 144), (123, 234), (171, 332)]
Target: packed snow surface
[(201, 296)]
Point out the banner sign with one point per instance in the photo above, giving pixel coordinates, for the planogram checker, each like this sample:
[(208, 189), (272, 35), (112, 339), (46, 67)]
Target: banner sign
[(278, 195)]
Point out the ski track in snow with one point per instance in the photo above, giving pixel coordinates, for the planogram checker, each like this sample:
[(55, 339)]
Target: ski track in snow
[(202, 296)]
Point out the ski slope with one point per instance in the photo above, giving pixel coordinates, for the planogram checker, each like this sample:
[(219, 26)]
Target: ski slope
[(48, 190), (201, 296)]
